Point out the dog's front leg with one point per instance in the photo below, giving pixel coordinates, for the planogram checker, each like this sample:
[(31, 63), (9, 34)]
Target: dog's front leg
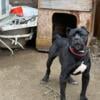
[(63, 83), (62, 90), (85, 81), (51, 56)]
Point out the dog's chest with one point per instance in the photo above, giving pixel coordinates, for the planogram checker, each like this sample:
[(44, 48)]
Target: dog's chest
[(80, 69)]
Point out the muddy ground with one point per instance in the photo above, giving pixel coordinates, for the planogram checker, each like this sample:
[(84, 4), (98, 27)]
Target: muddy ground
[(21, 73)]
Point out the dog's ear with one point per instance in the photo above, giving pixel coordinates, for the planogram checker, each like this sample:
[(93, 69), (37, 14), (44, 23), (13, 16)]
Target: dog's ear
[(83, 27), (67, 31)]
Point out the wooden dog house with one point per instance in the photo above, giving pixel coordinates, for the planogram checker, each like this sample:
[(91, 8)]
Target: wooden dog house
[(56, 15)]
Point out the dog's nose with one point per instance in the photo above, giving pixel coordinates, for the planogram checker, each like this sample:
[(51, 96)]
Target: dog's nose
[(77, 37)]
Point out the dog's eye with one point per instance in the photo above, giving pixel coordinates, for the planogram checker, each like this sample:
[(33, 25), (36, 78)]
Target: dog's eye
[(70, 35), (82, 34)]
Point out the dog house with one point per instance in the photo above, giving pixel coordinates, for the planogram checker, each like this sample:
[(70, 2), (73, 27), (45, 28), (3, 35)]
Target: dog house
[(57, 15)]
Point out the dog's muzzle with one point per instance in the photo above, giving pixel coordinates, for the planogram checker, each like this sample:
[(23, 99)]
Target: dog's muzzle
[(78, 44)]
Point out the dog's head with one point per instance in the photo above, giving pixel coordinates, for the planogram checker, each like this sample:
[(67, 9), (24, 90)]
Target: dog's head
[(78, 38)]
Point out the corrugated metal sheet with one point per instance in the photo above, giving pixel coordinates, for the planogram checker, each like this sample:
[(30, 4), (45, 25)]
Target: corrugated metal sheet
[(80, 5)]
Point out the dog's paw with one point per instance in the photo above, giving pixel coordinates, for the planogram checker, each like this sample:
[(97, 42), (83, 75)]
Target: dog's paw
[(83, 98), (45, 79), (62, 98), (43, 82)]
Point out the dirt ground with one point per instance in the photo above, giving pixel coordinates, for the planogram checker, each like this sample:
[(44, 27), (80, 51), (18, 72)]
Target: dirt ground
[(21, 73)]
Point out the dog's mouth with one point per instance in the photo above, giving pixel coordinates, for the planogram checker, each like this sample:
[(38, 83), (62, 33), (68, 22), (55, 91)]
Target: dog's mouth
[(78, 46), (78, 49), (80, 53)]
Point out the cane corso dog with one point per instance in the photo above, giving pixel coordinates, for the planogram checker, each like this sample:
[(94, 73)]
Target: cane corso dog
[(74, 58)]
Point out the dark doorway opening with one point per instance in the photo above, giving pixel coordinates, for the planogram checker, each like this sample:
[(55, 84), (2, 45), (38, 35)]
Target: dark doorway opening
[(60, 21)]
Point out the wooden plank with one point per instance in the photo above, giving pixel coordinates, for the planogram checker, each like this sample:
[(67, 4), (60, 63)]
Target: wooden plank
[(81, 5), (97, 20)]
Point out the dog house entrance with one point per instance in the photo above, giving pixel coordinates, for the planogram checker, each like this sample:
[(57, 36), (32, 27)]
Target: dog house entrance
[(60, 21)]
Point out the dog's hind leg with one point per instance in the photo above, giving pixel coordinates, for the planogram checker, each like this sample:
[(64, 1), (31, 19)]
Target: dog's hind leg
[(51, 56), (48, 70)]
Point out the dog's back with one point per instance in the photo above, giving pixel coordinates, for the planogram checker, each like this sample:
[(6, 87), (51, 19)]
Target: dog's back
[(57, 44)]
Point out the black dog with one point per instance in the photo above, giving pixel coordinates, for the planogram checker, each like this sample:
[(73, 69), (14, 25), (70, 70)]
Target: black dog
[(74, 58)]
